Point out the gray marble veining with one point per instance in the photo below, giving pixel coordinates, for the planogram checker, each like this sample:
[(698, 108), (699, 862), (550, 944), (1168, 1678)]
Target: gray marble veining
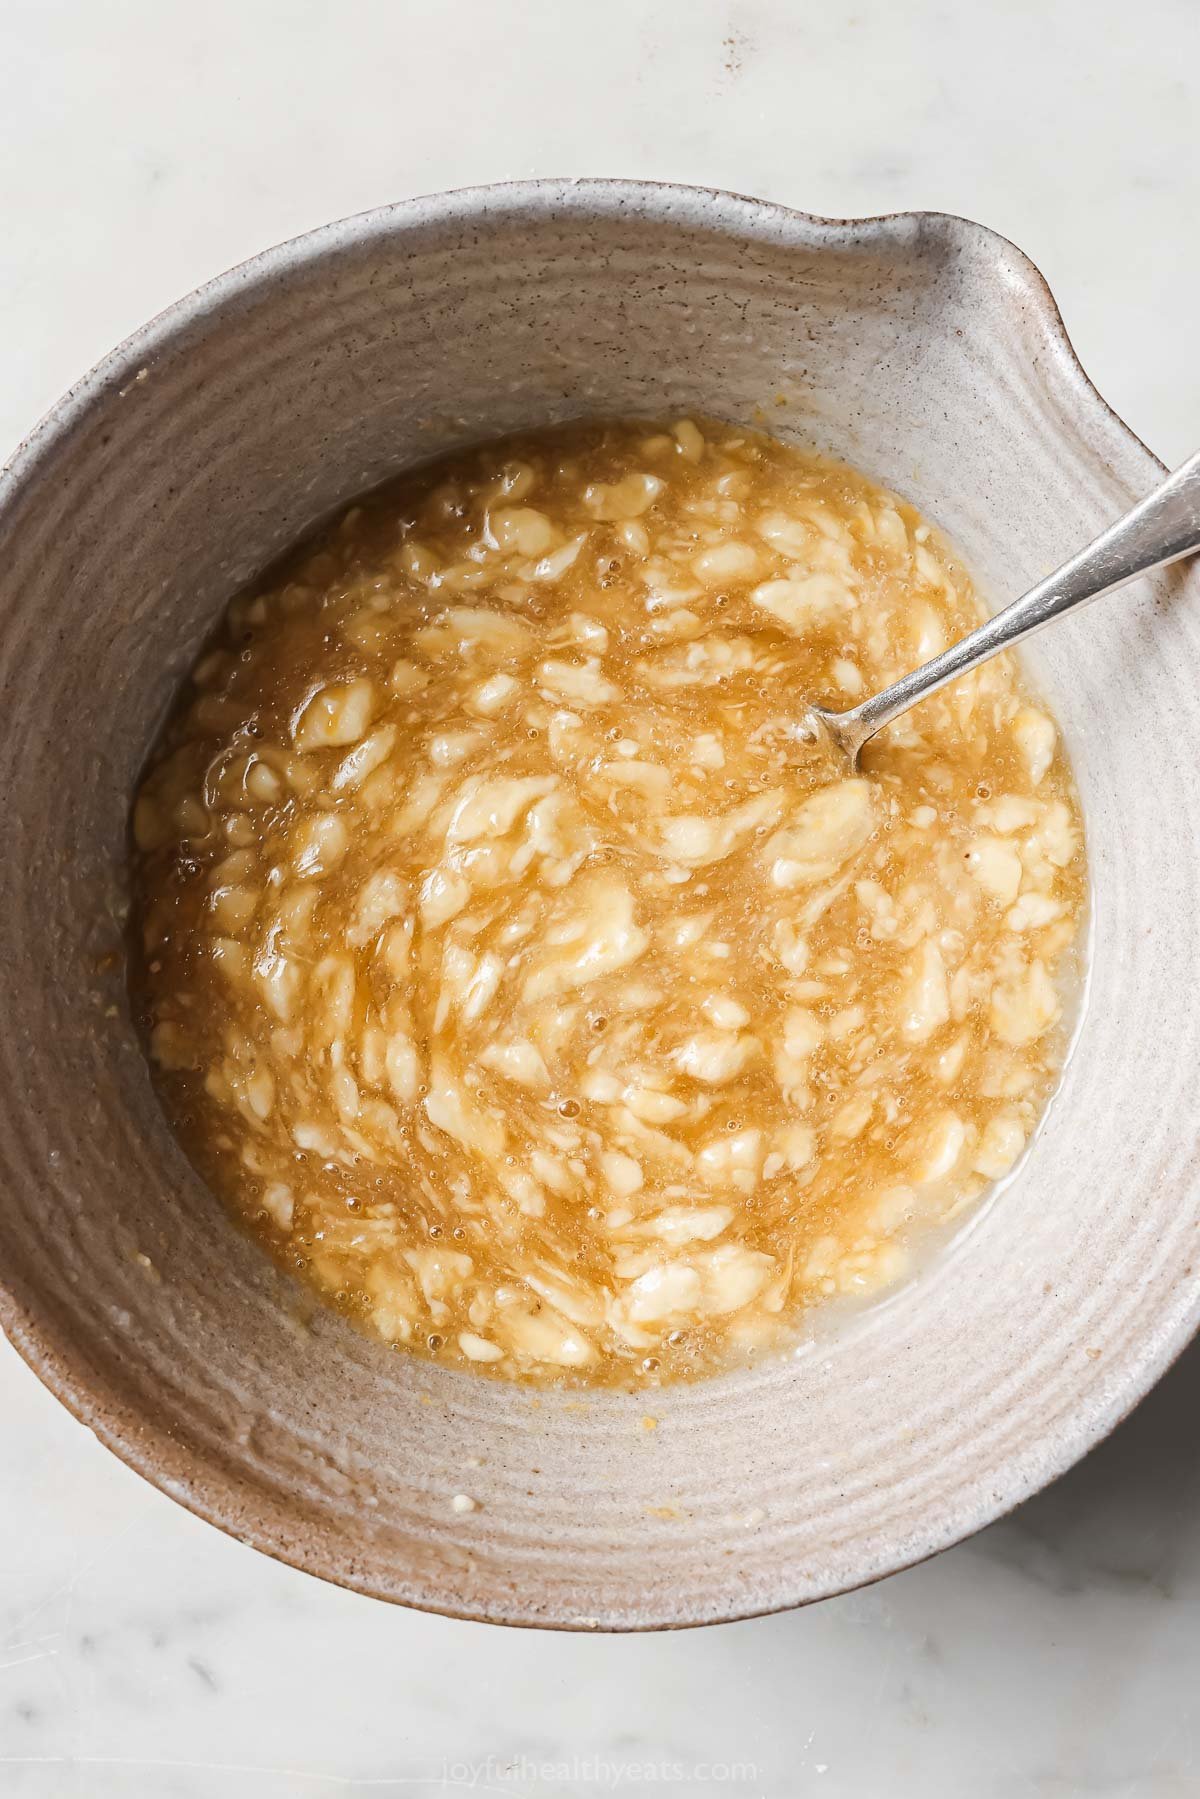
[(142, 1655), (1055, 1654)]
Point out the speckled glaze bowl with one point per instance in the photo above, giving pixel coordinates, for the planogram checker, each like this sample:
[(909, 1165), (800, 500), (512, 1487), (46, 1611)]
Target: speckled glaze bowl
[(926, 350)]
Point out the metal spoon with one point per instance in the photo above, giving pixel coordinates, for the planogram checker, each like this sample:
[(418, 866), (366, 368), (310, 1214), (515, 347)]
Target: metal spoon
[(1159, 529)]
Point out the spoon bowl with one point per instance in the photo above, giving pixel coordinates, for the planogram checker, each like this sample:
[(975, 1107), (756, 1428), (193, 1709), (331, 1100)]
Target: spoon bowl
[(191, 459), (1160, 529)]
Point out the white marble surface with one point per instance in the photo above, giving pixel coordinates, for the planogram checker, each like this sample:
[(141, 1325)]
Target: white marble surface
[(147, 145)]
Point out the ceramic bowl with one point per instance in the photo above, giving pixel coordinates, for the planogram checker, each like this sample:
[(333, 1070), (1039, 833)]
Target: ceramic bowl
[(922, 348)]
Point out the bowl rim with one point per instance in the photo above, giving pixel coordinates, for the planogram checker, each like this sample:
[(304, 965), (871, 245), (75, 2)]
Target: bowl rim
[(147, 1446)]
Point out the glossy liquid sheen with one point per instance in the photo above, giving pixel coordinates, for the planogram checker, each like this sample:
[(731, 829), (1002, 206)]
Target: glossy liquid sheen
[(513, 968)]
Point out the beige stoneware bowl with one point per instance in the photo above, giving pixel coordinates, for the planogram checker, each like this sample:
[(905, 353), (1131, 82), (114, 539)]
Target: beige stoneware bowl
[(924, 349)]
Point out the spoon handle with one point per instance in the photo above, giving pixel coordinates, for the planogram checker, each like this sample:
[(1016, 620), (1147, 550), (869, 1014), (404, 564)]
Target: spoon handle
[(1159, 529)]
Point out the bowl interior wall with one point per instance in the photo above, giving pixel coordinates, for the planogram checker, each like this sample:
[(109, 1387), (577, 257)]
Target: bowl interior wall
[(919, 349)]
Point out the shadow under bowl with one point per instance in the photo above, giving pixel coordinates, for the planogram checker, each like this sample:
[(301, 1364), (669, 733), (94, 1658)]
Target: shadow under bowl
[(921, 348)]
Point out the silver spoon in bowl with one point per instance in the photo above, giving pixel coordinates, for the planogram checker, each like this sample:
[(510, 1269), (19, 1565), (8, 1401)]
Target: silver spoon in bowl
[(1159, 529)]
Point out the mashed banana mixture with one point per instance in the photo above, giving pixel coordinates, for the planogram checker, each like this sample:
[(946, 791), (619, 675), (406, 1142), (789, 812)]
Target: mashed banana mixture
[(511, 964)]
